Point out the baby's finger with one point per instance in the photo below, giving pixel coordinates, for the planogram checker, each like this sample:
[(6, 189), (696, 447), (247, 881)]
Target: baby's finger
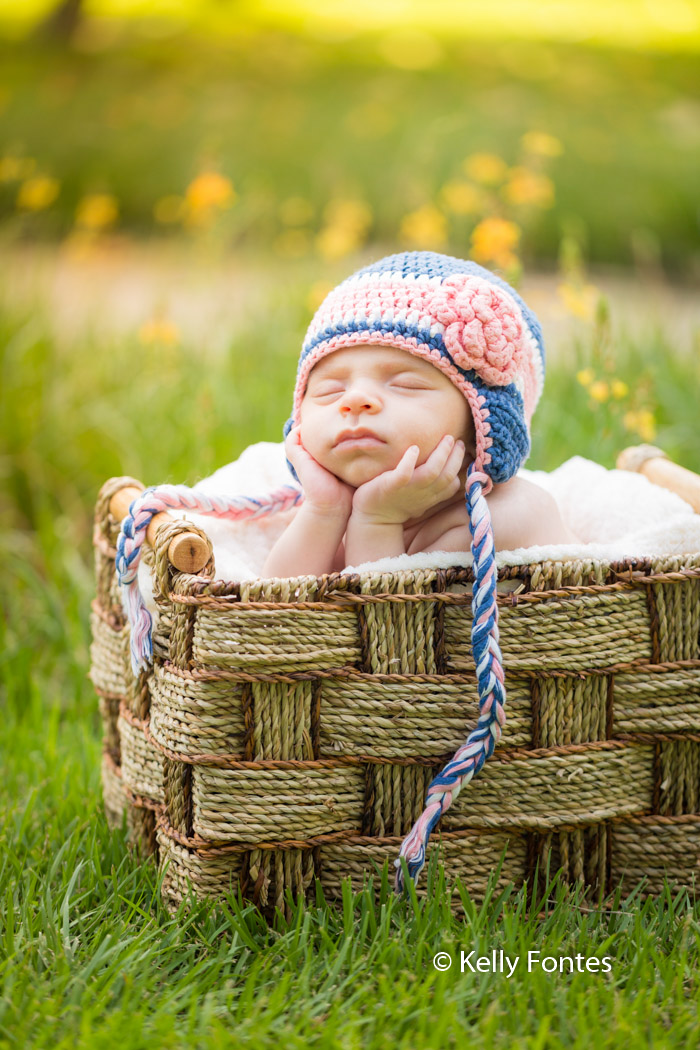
[(455, 458), (435, 463), (403, 471), (293, 447)]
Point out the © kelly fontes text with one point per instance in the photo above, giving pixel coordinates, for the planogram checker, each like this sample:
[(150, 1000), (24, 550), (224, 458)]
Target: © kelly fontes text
[(497, 961)]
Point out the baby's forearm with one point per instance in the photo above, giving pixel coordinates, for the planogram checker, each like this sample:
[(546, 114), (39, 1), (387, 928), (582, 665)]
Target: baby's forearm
[(368, 540), (308, 545)]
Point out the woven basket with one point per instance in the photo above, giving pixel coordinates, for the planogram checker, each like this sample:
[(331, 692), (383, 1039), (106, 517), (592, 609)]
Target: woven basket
[(289, 728)]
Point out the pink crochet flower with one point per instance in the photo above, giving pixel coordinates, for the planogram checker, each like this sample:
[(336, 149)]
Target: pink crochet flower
[(483, 327)]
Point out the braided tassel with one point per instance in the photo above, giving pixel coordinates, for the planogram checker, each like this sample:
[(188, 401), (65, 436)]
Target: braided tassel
[(479, 745), (133, 532)]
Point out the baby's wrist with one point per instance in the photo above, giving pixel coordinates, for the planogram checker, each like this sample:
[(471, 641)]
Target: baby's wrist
[(361, 518), (334, 512), (368, 538)]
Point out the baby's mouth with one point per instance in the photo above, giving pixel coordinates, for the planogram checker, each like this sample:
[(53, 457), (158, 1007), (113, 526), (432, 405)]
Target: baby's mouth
[(358, 442), (362, 437)]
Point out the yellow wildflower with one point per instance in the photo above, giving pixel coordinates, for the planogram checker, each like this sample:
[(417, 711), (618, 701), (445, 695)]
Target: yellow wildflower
[(37, 193), (426, 227), (528, 187), (494, 240), (461, 198), (599, 391), (349, 214), (539, 142), (159, 330), (96, 211), (347, 223), (641, 422), (580, 300), (169, 209), (646, 424), (486, 168), (208, 192), (334, 242), (585, 376), (619, 389)]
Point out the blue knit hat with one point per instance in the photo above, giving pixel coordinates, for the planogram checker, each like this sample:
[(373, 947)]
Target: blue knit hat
[(461, 318)]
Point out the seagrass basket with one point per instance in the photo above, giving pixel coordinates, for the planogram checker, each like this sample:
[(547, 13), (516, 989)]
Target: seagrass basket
[(288, 729)]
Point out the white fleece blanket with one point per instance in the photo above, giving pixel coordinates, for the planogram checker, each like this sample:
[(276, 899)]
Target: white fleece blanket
[(616, 513)]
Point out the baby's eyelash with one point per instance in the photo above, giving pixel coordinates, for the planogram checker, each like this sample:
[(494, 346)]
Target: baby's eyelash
[(406, 384)]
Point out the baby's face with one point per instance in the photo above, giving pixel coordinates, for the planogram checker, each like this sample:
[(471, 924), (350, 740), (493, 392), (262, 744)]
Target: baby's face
[(401, 398)]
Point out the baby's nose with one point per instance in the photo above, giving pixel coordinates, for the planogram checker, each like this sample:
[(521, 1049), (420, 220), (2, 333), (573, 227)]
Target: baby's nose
[(357, 400)]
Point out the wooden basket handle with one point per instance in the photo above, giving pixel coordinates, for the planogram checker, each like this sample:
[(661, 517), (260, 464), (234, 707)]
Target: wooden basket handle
[(658, 468), (187, 552)]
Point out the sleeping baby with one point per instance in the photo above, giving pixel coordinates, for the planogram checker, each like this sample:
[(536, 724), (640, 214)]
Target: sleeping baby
[(417, 380), (415, 388)]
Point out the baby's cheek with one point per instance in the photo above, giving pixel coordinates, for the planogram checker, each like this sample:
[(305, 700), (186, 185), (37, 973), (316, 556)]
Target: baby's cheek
[(308, 428)]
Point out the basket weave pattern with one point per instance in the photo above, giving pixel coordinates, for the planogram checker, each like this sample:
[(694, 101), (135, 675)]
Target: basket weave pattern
[(289, 728)]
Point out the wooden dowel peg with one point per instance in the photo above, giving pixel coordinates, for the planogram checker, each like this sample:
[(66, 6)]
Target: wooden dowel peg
[(188, 552), (659, 469)]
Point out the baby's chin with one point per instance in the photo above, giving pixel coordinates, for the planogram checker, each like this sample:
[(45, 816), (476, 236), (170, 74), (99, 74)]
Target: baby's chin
[(358, 470)]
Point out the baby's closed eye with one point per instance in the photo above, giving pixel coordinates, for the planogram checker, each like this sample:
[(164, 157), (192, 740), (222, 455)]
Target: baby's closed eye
[(410, 383), (326, 390)]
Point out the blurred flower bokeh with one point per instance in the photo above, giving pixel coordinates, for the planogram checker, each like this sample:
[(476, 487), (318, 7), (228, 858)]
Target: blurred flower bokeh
[(304, 137), (37, 192)]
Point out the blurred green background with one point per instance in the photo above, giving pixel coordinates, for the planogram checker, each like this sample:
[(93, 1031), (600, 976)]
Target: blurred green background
[(304, 129), (180, 183)]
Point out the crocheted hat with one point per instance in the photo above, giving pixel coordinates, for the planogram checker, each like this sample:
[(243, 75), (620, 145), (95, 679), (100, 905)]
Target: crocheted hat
[(461, 318), (477, 330)]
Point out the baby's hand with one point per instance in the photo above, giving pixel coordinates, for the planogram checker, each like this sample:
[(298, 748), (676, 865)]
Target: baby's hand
[(322, 490), (408, 491)]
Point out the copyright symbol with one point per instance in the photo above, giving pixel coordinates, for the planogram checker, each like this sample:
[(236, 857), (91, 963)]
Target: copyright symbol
[(442, 961)]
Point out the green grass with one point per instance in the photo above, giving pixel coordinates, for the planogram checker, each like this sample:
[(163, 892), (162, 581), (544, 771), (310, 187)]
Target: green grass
[(285, 115), (92, 957), (89, 956)]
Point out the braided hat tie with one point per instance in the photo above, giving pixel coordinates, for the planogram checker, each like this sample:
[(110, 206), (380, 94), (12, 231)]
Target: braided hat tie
[(479, 745), (153, 501)]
